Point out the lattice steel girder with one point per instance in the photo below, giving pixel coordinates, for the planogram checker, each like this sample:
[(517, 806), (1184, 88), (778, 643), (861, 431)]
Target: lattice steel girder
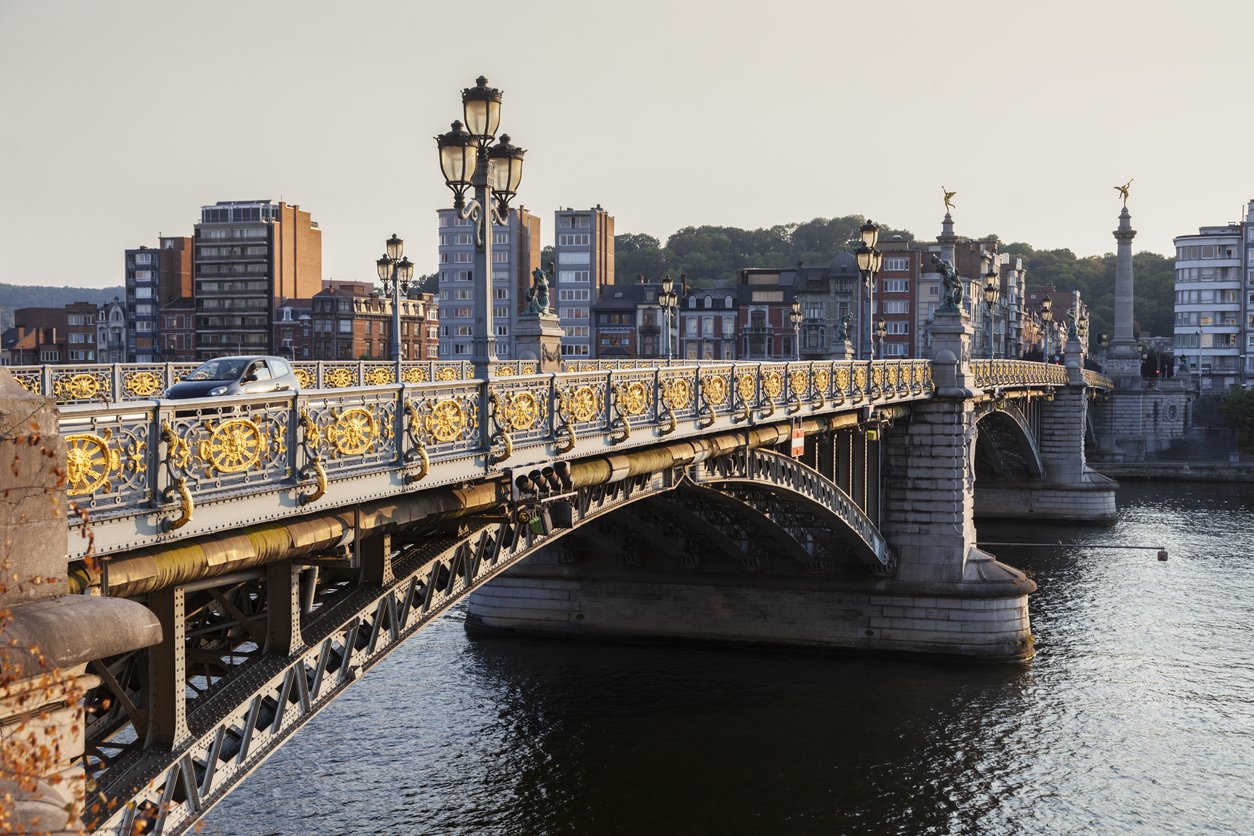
[(176, 787)]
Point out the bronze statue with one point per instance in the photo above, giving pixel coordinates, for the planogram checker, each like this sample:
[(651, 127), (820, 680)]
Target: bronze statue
[(538, 295), (951, 298), (949, 205), (1123, 190), (842, 328)]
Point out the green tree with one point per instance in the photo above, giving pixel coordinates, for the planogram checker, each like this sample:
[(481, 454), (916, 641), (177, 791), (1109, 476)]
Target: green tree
[(1237, 409)]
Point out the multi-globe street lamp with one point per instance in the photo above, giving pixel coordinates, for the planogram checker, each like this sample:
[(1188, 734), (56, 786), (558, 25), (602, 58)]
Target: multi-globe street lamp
[(992, 289), (1047, 318), (869, 262), (795, 317), (669, 300), (395, 272), (472, 158)]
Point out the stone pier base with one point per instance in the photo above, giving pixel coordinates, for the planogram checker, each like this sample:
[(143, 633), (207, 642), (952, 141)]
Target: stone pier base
[(980, 618), (1090, 502)]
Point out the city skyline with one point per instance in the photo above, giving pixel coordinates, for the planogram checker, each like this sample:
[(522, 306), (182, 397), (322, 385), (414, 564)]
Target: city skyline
[(721, 114)]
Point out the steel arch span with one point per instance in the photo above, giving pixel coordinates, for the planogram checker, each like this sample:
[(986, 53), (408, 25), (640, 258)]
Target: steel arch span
[(255, 709)]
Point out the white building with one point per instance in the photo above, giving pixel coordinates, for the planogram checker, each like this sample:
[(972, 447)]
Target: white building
[(1214, 329)]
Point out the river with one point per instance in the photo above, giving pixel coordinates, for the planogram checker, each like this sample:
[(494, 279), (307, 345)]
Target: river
[(1136, 716)]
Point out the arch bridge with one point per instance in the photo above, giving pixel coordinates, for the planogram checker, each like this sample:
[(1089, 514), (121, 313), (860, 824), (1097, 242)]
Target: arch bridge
[(286, 543)]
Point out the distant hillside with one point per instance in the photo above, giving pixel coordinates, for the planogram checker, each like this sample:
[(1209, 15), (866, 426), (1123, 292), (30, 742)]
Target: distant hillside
[(13, 296)]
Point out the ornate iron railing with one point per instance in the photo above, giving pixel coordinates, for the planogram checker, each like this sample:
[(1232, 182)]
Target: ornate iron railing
[(111, 383), (990, 373), (146, 472), (1097, 380)]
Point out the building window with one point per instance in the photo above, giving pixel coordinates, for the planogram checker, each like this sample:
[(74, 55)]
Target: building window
[(896, 285), (893, 349), (572, 257), (898, 306), (567, 276), (462, 258), (896, 327), (896, 264), (573, 240), (499, 256), (573, 295), (500, 293)]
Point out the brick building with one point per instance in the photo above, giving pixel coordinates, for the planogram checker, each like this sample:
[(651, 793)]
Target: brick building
[(352, 321)]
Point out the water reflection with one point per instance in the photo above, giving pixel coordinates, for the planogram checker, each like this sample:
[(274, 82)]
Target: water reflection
[(1135, 716)]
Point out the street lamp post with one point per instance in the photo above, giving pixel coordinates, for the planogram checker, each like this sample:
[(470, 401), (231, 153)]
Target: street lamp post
[(992, 289), (1103, 341), (470, 157), (1047, 317), (881, 331), (668, 299), (395, 271), (794, 316), (869, 261)]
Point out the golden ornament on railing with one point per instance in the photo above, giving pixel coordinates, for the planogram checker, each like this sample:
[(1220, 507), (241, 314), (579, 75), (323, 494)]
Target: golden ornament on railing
[(842, 379), (797, 382), (415, 375), (772, 384), (524, 411), (714, 389), (859, 377), (233, 446), (527, 368), (79, 387), (88, 462), (446, 421), (339, 378), (354, 431), (305, 378), (503, 371), (677, 392), (446, 373), (746, 387), (822, 377), (633, 399), (141, 384), (29, 381), (379, 376), (582, 403)]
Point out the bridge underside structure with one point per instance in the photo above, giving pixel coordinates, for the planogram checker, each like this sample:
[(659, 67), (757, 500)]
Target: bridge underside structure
[(623, 503)]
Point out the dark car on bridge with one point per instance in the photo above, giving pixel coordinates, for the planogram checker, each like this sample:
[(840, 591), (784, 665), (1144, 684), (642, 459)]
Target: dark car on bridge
[(244, 375)]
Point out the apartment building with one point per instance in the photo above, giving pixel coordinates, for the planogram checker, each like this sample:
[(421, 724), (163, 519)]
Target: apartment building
[(250, 255), (1214, 305), (584, 247), (515, 253)]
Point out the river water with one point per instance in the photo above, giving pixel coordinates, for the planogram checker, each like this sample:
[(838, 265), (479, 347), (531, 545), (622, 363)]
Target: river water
[(1136, 716)]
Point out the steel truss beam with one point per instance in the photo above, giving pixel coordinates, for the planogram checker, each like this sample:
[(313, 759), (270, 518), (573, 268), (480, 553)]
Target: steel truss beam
[(238, 728)]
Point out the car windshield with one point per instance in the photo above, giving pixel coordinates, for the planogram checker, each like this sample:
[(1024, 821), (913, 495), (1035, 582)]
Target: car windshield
[(223, 369)]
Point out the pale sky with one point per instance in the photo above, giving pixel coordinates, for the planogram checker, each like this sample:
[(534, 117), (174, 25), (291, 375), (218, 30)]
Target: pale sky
[(119, 119)]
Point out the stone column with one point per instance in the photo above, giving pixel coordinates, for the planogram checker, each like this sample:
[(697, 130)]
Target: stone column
[(47, 637), (1124, 361), (538, 337)]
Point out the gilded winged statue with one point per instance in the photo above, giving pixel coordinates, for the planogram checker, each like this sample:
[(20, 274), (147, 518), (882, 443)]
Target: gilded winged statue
[(1123, 190), (949, 202)]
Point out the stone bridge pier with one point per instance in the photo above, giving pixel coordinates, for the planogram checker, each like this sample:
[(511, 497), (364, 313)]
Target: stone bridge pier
[(691, 569)]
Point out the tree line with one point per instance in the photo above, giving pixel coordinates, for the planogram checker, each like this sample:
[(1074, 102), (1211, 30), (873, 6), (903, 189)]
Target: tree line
[(710, 254)]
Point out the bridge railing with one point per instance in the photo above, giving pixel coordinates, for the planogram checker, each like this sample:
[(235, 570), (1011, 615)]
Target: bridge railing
[(116, 382), (1097, 380), (990, 373), (158, 468)]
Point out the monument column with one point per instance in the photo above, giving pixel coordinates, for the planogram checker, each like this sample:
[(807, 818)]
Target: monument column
[(1124, 361)]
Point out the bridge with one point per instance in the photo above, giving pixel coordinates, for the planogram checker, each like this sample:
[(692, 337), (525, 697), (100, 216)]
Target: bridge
[(261, 553)]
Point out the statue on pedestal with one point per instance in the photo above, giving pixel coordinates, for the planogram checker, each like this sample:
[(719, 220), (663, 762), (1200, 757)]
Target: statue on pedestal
[(538, 295), (951, 296), (842, 328)]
